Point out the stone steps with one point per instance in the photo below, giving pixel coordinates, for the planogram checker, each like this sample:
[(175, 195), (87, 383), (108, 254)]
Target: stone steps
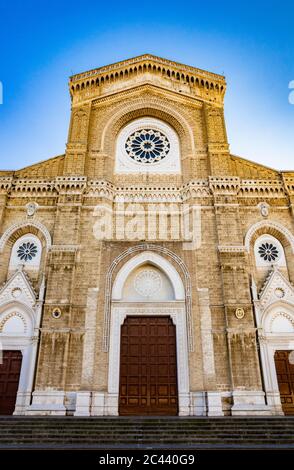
[(146, 432)]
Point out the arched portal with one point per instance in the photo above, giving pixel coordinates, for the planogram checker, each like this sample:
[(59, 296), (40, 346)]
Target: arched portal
[(18, 345), (148, 287), (276, 345)]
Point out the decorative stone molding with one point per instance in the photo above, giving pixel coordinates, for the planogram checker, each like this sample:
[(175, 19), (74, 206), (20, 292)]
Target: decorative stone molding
[(185, 79), (70, 184), (262, 188), (275, 282), (285, 315), (36, 187), (12, 315), (239, 313), (147, 282), (231, 249), (5, 184), (153, 258), (226, 185), (67, 248), (195, 188), (148, 194), (109, 283), (19, 281), (264, 209), (31, 208), (289, 184), (20, 317), (270, 225), (100, 188), (22, 224)]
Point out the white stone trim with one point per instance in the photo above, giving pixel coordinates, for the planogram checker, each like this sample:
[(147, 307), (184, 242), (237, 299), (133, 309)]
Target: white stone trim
[(26, 343), (118, 316), (47, 402), (187, 286), (34, 263), (268, 347), (25, 223), (231, 249), (259, 261), (270, 341), (29, 309), (152, 258), (249, 402), (169, 164), (268, 224)]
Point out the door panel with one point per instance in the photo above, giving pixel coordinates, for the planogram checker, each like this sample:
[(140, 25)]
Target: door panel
[(148, 368), (9, 379), (285, 375)]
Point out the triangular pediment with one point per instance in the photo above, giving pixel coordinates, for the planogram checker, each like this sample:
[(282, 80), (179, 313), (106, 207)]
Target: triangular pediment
[(18, 289), (276, 288)]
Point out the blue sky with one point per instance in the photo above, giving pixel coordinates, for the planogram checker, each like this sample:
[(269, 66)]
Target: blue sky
[(43, 42)]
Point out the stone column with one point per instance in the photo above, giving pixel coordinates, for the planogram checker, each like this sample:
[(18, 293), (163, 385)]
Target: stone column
[(88, 402), (5, 185), (213, 396), (248, 396)]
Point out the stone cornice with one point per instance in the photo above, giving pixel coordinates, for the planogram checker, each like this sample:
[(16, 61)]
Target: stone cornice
[(5, 184), (231, 249), (289, 184), (31, 186), (41, 187), (71, 184), (224, 185), (262, 188), (180, 78), (147, 58)]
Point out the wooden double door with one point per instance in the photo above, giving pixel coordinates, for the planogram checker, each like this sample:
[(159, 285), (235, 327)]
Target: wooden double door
[(148, 367), (9, 378), (285, 374)]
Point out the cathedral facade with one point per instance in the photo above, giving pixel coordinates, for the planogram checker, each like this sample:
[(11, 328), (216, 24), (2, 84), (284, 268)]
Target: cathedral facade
[(147, 271)]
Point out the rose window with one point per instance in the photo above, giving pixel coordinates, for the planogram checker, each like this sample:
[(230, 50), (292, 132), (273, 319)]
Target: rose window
[(147, 282), (268, 251), (27, 251), (147, 146)]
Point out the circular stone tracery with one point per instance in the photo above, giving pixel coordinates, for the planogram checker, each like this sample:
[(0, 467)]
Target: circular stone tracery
[(147, 282), (27, 251), (147, 146), (268, 251)]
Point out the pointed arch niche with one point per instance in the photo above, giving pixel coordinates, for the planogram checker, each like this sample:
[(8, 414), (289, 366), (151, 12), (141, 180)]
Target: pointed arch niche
[(274, 311), (20, 316), (147, 284)]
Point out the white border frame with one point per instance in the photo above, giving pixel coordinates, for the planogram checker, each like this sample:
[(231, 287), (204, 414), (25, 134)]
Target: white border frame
[(153, 259), (269, 344), (26, 343), (268, 224), (118, 315)]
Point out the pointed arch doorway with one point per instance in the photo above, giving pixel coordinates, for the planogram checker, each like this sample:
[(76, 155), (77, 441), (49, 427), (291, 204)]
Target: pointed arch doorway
[(148, 355)]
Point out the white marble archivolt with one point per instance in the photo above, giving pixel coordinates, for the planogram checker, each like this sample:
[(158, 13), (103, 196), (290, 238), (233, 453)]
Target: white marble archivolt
[(20, 316)]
